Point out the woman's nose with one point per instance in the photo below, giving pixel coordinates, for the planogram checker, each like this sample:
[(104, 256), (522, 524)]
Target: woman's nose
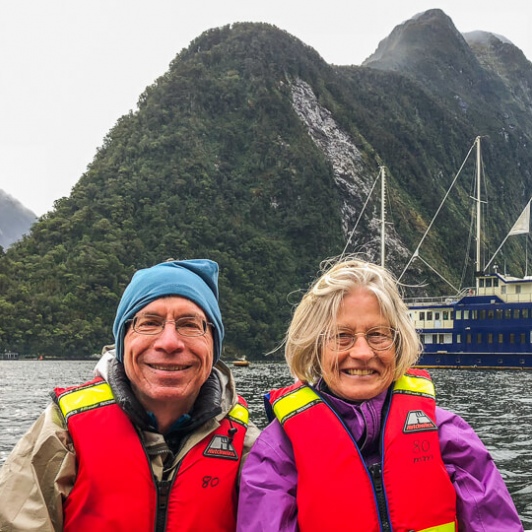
[(361, 348)]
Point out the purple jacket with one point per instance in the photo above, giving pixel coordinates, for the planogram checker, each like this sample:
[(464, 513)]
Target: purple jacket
[(269, 478)]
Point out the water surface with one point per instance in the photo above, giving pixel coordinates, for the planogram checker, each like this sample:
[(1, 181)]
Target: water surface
[(498, 404)]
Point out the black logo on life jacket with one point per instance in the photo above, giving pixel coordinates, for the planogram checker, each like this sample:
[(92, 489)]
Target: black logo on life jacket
[(418, 421), (221, 447)]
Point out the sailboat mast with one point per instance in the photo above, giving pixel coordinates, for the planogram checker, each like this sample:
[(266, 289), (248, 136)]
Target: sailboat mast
[(478, 219), (383, 216)]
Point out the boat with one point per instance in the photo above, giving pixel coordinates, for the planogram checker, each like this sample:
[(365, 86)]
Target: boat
[(9, 355), (485, 326), (241, 362)]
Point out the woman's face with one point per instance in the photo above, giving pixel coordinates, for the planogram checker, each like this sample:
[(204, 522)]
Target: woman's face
[(358, 373)]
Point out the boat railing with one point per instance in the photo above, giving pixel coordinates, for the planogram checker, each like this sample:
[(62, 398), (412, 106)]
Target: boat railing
[(440, 300), (431, 300)]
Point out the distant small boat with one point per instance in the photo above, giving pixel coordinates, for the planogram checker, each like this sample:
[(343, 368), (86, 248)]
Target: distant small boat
[(241, 362)]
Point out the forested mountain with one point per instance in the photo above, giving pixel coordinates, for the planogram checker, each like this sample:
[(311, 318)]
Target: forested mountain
[(15, 220), (251, 150)]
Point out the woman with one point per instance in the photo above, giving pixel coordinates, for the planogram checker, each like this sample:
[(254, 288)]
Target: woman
[(358, 443)]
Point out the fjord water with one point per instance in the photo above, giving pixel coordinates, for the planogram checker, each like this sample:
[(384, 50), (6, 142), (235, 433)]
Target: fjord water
[(498, 404)]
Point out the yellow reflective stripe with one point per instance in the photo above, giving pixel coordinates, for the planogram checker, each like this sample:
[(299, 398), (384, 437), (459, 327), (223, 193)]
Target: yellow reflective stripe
[(82, 399), (294, 402), (239, 413), (447, 527), (414, 385)]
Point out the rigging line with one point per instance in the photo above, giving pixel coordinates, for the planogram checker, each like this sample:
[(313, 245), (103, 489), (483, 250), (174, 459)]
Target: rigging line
[(360, 216), (471, 235), (438, 274), (468, 249), (416, 252), (485, 218)]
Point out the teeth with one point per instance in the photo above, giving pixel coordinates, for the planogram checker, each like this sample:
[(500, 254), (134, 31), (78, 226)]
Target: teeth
[(359, 371), (168, 368)]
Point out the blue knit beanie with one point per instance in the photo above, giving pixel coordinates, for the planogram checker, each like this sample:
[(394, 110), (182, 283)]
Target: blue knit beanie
[(196, 280)]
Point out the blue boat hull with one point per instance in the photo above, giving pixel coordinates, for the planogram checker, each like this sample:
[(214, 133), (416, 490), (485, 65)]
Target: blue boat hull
[(459, 360)]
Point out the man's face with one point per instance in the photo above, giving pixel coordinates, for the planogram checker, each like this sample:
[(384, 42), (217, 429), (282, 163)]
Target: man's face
[(167, 368)]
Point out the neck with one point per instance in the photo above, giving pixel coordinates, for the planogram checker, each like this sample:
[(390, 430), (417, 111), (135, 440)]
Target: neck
[(168, 413)]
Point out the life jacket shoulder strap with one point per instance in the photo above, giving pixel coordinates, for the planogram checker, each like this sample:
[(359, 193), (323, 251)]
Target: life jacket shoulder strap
[(415, 382), (240, 412), (290, 401), (88, 396)]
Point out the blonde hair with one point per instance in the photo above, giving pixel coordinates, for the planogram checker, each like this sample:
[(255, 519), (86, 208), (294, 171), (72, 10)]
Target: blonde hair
[(315, 316)]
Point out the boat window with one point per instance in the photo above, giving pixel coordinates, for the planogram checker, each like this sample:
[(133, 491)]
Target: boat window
[(516, 313), (517, 288), (466, 314), (474, 314), (491, 314), (421, 315), (429, 316), (458, 338), (490, 338), (445, 315), (500, 338), (452, 314), (503, 289), (512, 338), (495, 282), (458, 314), (481, 283), (498, 313), (524, 313), (468, 338), (434, 338), (522, 338), (436, 315), (479, 338), (488, 283), (508, 313), (483, 314)]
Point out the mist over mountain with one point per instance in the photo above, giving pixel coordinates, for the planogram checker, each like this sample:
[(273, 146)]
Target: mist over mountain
[(251, 150), (15, 220)]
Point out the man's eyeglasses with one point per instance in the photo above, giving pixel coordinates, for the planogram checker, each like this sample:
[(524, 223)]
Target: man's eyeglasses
[(378, 339), (189, 326)]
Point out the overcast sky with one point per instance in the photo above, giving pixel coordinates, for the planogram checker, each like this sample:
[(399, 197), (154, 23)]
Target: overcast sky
[(70, 68)]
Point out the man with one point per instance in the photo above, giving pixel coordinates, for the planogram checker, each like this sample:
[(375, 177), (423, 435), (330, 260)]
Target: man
[(156, 440)]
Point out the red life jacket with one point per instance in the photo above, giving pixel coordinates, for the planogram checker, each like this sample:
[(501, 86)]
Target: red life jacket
[(335, 490), (115, 489)]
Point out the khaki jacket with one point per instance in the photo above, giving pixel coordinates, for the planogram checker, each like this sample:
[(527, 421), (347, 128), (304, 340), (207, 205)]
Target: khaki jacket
[(41, 470)]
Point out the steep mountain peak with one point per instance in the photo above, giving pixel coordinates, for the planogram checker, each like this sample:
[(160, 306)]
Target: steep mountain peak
[(469, 75), (485, 38), (15, 219), (505, 61), (430, 34)]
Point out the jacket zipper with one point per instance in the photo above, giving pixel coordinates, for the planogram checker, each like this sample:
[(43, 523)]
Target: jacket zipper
[(163, 490), (376, 475)]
